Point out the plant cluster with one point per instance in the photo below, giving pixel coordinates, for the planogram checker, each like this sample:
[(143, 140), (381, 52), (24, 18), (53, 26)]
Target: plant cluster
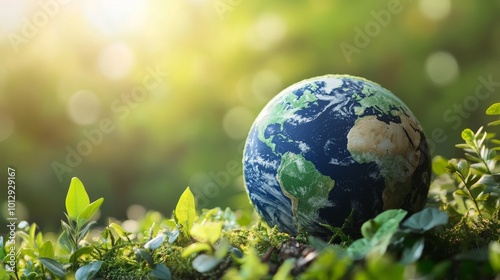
[(456, 236)]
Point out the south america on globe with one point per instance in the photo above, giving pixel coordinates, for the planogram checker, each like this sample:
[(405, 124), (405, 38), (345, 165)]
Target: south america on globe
[(334, 150)]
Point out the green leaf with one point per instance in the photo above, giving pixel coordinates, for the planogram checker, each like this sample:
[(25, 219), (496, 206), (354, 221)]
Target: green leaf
[(88, 271), (461, 193), (53, 266), (284, 270), (494, 256), (412, 254), (463, 167), (251, 268), (89, 211), (370, 227), (195, 248), (468, 135), (84, 231), (77, 199), (145, 255), (80, 252), (185, 211), (47, 250), (221, 248), (161, 272), (494, 123), (207, 232), (426, 220), (204, 263), (359, 249), (494, 109), (118, 229), (64, 242)]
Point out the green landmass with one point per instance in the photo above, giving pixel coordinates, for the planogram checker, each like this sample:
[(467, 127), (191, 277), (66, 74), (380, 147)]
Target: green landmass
[(306, 187)]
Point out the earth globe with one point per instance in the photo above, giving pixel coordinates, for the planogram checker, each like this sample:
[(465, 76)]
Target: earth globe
[(334, 151)]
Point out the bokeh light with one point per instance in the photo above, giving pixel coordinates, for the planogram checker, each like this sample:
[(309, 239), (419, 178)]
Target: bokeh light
[(442, 68), (11, 14), (116, 61), (84, 107), (435, 9), (267, 30)]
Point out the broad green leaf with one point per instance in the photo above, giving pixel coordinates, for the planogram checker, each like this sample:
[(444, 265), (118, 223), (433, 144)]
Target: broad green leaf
[(39, 240), (370, 227), (77, 199), (161, 272), (155, 242), (359, 248), (47, 250), (494, 109), (84, 231), (383, 236), (426, 220), (195, 248), (32, 233), (413, 253), (392, 214), (468, 135), (463, 167), (494, 256), (53, 266), (88, 271), (80, 252), (145, 255), (89, 211), (204, 263), (207, 232), (118, 229), (221, 248), (284, 270), (185, 211), (64, 242), (461, 193)]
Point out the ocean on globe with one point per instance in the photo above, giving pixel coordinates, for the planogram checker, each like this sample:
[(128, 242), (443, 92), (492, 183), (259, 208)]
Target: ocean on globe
[(334, 150)]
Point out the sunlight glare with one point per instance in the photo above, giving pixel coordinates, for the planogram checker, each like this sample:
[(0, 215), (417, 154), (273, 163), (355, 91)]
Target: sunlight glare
[(115, 17), (116, 61)]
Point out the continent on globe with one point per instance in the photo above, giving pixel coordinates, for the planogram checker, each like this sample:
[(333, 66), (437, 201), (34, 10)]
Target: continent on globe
[(332, 149)]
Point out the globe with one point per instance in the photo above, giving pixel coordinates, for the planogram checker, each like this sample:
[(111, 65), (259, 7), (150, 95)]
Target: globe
[(334, 151)]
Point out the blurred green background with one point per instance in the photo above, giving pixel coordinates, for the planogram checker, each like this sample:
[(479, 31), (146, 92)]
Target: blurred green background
[(140, 99)]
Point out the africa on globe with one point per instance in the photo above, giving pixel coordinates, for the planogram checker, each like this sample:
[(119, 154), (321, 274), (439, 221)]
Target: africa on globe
[(332, 149)]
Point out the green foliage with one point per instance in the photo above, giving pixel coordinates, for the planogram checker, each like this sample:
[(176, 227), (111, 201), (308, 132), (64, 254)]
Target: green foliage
[(456, 236), (185, 211)]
